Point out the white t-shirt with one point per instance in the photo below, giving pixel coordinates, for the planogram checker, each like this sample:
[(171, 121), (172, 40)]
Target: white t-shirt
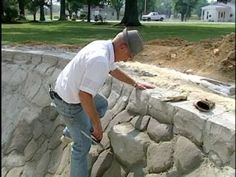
[(87, 71)]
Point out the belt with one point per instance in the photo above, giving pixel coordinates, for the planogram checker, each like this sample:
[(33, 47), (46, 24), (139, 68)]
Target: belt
[(54, 94), (57, 96)]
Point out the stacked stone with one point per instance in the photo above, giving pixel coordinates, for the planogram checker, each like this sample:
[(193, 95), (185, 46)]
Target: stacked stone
[(143, 136)]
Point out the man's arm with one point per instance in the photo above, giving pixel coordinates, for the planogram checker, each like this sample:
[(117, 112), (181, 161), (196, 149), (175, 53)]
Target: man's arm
[(120, 75), (88, 105)]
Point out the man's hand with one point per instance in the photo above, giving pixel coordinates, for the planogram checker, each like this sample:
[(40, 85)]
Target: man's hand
[(88, 105), (97, 131), (143, 86)]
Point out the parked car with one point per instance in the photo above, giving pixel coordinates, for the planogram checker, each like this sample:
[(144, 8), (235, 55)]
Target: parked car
[(155, 16)]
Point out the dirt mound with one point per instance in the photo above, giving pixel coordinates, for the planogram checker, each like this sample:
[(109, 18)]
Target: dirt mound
[(175, 41), (214, 58)]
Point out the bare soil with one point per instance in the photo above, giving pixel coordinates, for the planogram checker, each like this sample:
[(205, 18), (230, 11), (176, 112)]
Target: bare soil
[(210, 58)]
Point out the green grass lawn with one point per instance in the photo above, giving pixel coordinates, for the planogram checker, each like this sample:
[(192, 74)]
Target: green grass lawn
[(81, 33)]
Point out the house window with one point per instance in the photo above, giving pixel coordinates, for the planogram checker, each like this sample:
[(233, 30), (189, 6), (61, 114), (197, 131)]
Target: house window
[(231, 15), (224, 15), (221, 14)]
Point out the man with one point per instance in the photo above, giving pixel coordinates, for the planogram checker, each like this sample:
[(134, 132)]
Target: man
[(76, 89)]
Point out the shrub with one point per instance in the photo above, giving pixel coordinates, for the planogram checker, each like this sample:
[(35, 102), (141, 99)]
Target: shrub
[(10, 14)]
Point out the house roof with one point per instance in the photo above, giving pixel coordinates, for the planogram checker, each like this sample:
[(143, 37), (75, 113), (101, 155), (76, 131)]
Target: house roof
[(217, 6)]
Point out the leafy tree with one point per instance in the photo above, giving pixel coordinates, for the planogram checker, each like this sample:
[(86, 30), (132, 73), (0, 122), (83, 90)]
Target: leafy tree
[(184, 7), (164, 7), (117, 5), (131, 14), (197, 10), (72, 6), (140, 6), (33, 7), (9, 13)]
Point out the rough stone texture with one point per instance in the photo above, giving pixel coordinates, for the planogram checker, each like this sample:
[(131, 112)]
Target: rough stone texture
[(156, 175), (123, 116), (162, 160), (34, 149), (159, 132), (138, 102), (20, 137), (42, 166), (106, 89), (219, 137), (30, 149), (140, 122), (189, 122), (186, 156), (116, 170), (128, 144), (102, 164), (16, 172), (116, 89), (14, 159), (162, 111)]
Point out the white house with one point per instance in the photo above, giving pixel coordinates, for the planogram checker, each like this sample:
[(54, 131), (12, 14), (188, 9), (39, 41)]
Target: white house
[(219, 12)]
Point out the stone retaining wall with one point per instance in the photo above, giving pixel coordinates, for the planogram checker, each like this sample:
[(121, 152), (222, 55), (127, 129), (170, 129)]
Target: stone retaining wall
[(143, 136)]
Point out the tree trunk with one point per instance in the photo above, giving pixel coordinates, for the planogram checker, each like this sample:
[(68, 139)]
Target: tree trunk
[(131, 14), (42, 16), (21, 8), (63, 10), (89, 12), (51, 9), (34, 17), (182, 17), (117, 14)]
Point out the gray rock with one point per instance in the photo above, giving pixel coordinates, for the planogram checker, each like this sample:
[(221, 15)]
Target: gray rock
[(159, 157), (159, 132), (29, 169), (55, 139), (138, 102), (16, 172), (55, 159), (156, 175), (189, 122), (14, 159), (42, 166), (123, 116), (219, 136), (140, 122), (109, 115), (116, 170), (162, 111), (186, 156), (22, 58), (30, 149), (7, 55), (64, 165), (20, 137), (102, 164), (4, 171), (128, 144), (106, 89)]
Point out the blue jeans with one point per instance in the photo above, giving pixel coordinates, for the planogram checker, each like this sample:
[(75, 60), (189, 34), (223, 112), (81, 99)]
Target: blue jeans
[(76, 120)]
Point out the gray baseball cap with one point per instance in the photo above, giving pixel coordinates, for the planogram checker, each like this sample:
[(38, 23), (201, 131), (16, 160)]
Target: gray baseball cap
[(134, 41)]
